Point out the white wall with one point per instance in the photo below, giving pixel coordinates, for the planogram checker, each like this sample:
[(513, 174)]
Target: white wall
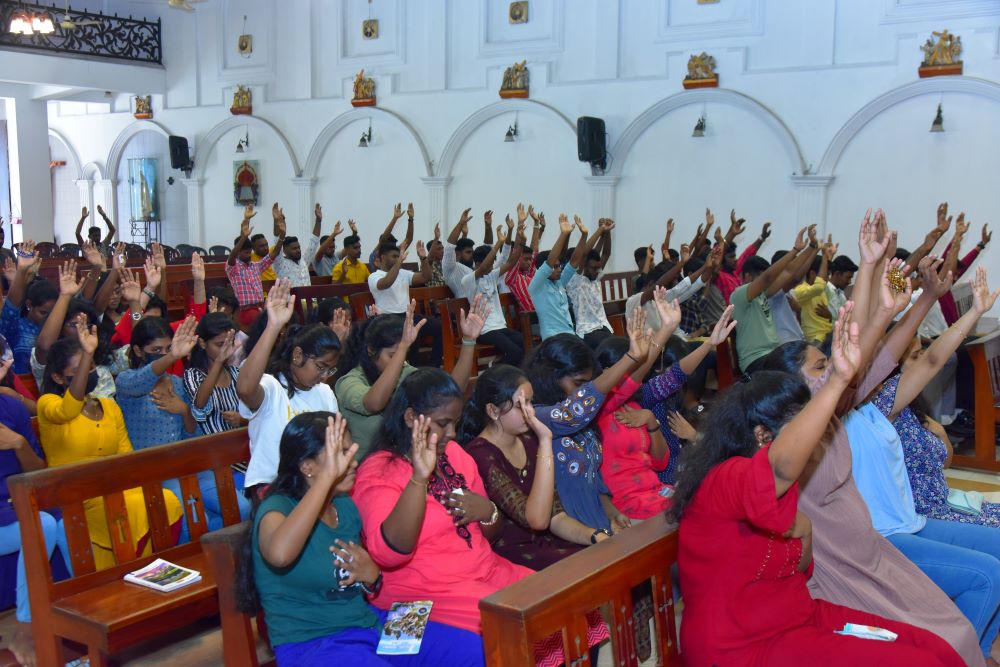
[(172, 198), (793, 76)]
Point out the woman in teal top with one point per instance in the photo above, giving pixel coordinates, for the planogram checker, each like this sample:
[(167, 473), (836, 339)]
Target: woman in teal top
[(304, 566)]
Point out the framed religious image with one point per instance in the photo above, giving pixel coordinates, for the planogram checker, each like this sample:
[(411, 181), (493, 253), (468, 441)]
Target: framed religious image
[(369, 28), (518, 12), (246, 182), (144, 194)]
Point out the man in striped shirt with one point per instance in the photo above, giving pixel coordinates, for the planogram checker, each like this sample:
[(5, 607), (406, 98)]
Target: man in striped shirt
[(519, 277), (244, 274)]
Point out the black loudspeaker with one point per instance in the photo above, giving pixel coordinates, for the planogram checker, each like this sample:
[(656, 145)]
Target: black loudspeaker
[(590, 139), (179, 158)]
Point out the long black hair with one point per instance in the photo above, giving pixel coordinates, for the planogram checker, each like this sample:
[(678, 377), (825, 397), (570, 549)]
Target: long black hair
[(496, 385), (314, 340), (302, 440), (145, 332), (557, 357), (424, 390), (768, 399), (324, 311), (254, 333), (60, 354), (210, 326), (368, 339), (788, 357)]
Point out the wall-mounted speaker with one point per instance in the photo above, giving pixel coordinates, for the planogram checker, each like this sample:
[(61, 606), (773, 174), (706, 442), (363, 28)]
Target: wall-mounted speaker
[(590, 140), (179, 157)]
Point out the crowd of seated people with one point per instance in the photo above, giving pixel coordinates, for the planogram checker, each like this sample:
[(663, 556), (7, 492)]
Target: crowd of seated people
[(810, 494)]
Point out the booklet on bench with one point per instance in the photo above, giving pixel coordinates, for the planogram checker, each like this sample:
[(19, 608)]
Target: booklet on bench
[(162, 575)]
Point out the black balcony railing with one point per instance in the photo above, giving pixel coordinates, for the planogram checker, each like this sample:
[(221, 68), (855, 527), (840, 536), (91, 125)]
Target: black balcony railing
[(114, 37)]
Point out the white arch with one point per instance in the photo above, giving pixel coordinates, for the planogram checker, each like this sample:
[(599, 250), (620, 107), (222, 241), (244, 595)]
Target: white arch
[(205, 145), (74, 159), (472, 123), (92, 172), (647, 118), (929, 86), (322, 142), (125, 136)]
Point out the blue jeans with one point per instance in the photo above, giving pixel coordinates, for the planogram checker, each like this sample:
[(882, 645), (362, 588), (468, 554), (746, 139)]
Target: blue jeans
[(10, 542), (963, 559), (442, 645), (210, 496)]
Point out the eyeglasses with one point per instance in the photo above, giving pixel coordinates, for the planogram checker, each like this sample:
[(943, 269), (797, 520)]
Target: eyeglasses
[(324, 370)]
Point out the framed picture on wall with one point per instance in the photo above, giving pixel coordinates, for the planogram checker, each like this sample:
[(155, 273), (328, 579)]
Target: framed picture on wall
[(246, 182), (144, 193)]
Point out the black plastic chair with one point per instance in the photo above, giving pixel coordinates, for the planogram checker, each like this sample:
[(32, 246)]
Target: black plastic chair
[(69, 250), (219, 251)]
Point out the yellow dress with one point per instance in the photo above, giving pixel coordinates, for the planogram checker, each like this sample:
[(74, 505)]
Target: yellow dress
[(69, 436)]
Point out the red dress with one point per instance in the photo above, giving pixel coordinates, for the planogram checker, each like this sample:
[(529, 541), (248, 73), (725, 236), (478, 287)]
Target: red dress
[(746, 603), (628, 469)]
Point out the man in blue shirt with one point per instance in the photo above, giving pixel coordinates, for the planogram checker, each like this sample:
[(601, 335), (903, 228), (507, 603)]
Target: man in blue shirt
[(548, 287)]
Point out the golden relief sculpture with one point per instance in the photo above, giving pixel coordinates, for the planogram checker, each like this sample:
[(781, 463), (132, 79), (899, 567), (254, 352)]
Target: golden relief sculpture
[(242, 102), (701, 72), (364, 91), (143, 107), (942, 52), (515, 81)]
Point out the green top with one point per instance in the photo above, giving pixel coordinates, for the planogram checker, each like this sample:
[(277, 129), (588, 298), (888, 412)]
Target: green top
[(756, 334), (304, 601), (351, 390)]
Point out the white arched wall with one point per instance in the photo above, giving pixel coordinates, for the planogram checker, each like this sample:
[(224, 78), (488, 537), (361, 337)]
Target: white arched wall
[(213, 217), (173, 209), (118, 147), (738, 162), (477, 168), (341, 172), (66, 199), (887, 157)]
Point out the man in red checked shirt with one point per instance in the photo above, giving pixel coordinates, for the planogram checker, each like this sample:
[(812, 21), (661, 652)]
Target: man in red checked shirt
[(244, 275), (519, 277)]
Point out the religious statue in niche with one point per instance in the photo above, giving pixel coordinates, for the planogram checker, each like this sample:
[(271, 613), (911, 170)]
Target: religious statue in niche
[(369, 29), (143, 191), (242, 102), (518, 12), (246, 183), (701, 72), (364, 91), (143, 107), (515, 81), (941, 55)]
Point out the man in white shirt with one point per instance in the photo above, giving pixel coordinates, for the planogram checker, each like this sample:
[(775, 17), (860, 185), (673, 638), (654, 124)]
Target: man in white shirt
[(485, 280), (390, 287), (290, 264), (457, 260), (584, 288), (665, 274)]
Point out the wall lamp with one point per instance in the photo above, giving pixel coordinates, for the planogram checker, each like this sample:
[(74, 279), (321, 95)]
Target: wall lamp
[(366, 137)]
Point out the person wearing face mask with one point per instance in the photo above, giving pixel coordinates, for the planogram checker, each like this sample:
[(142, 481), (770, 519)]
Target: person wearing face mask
[(315, 613), (75, 426), (426, 518), (376, 354), (273, 388)]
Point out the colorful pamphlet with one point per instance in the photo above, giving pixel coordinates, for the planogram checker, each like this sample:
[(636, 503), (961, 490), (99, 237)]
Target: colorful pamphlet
[(163, 576), (404, 628)]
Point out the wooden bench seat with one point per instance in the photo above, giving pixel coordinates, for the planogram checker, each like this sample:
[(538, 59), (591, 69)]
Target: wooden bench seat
[(985, 355), (96, 607)]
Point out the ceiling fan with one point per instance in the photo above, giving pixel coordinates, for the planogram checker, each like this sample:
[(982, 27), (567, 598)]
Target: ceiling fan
[(183, 4), (67, 23)]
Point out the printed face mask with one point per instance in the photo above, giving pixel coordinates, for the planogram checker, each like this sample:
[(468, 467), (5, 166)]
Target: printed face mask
[(816, 383)]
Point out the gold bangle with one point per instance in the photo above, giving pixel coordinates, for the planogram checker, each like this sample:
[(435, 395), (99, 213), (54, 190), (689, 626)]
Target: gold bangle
[(416, 483)]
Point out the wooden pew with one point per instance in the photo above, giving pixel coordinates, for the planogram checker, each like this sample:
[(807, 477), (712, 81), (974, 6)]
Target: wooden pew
[(97, 608), (726, 367), (307, 298), (557, 599), (985, 355), (617, 317), (616, 286)]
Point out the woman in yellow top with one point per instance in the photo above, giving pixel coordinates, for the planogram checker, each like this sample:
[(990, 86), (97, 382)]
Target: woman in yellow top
[(74, 426)]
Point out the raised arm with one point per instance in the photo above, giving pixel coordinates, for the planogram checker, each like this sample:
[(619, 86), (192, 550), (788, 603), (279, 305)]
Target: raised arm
[(331, 240), (377, 397), (245, 231), (605, 227), (488, 233), (51, 330), (665, 247), (408, 239), (514, 247), (933, 236), (79, 226), (766, 279), (736, 227), (279, 231), (668, 277), (471, 326), (636, 355), (537, 227), (559, 247), (583, 246), (387, 281), (280, 304), (26, 257), (402, 527), (486, 266), (917, 374), (951, 257), (110, 236), (397, 213), (317, 219), (456, 232)]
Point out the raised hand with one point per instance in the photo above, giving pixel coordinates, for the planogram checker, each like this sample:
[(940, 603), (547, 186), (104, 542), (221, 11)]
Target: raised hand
[(522, 214), (685, 253), (737, 226), (932, 281), (153, 274), (280, 303), (638, 337), (68, 285), (84, 212), (871, 247), (488, 217), (510, 224), (276, 213), (421, 251), (9, 269), (338, 229), (889, 298), (341, 324), (197, 266), (670, 225), (464, 218), (961, 226), (93, 255), (520, 237), (501, 234), (282, 227), (411, 331), (650, 255), (606, 225), (184, 338), (397, 211), (437, 231), (26, 255), (719, 239), (229, 346), (987, 236), (318, 212), (579, 224), (353, 226), (846, 350), (248, 212), (565, 226), (423, 448), (409, 210), (943, 219), (765, 233), (723, 327), (338, 459), (830, 248), (471, 325), (158, 257), (213, 305), (118, 256), (131, 289), (709, 220), (681, 427), (812, 235), (800, 238), (87, 336), (982, 298), (531, 212), (669, 311)]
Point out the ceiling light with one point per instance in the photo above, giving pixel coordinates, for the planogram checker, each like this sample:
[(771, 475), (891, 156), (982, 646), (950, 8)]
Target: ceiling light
[(20, 23), (511, 133), (938, 124), (699, 127), (42, 24), (366, 137), (244, 144)]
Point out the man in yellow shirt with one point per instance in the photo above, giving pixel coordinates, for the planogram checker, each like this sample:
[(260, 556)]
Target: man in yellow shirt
[(811, 297), (260, 251), (350, 269)]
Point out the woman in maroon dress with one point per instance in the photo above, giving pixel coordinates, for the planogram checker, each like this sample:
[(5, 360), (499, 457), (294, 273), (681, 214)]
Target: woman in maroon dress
[(745, 549)]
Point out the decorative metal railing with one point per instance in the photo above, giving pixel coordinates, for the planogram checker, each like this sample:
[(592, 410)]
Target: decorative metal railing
[(114, 37)]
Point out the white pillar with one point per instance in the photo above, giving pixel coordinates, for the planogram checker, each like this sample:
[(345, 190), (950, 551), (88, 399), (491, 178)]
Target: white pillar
[(31, 178), (811, 206), (86, 195), (196, 227), (304, 214), (602, 196), (437, 202)]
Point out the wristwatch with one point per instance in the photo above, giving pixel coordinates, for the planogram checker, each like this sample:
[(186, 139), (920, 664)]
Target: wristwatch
[(593, 536), (136, 315), (373, 588)]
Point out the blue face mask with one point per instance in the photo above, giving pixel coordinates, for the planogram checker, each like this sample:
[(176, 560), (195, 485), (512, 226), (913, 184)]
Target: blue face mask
[(151, 357)]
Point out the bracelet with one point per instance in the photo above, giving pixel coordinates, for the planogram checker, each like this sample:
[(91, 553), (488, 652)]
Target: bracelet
[(468, 342), (493, 517), (148, 292), (653, 430), (415, 482), (629, 355), (25, 255), (375, 586)]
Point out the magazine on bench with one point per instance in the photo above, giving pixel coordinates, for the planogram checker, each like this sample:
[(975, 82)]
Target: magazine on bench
[(164, 576)]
